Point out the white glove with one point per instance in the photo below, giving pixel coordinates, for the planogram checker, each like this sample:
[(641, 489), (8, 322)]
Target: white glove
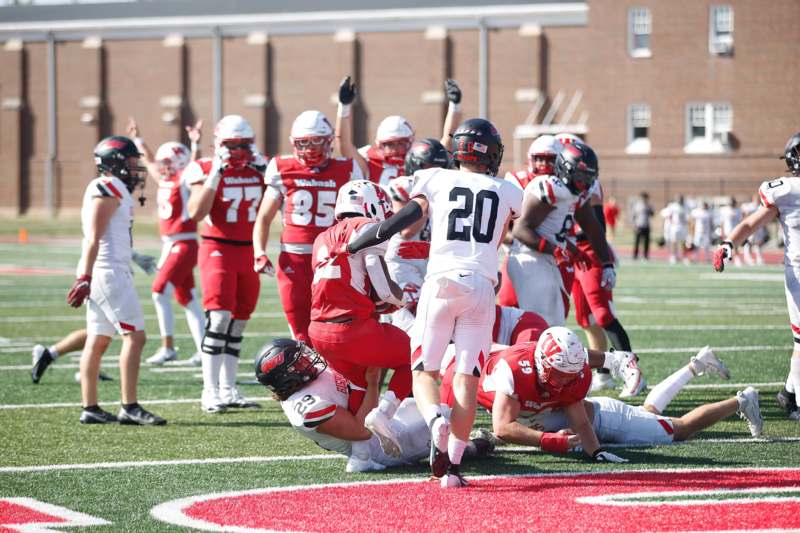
[(219, 163), (602, 456), (609, 278), (263, 265), (145, 262), (258, 162)]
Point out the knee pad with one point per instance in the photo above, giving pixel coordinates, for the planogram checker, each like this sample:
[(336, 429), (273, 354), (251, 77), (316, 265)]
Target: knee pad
[(216, 335), (235, 336)]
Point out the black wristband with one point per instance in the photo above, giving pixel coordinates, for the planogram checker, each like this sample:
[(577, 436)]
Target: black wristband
[(597, 452)]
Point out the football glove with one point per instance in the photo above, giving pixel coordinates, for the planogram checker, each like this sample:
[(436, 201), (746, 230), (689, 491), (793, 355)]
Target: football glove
[(414, 249), (347, 91), (453, 91), (219, 164), (609, 279), (723, 253), (602, 456), (80, 291), (146, 262), (263, 265)]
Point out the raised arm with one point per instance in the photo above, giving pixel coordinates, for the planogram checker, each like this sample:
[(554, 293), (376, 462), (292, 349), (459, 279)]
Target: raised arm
[(147, 154), (344, 125), (453, 117), (195, 133)]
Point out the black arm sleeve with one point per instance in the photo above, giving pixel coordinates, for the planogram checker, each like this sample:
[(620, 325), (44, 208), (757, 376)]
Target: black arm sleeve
[(382, 231), (601, 218)]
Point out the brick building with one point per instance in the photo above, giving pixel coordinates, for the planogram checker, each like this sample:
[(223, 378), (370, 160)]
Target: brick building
[(690, 95)]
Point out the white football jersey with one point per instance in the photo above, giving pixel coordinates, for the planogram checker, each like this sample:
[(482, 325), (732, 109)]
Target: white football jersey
[(702, 223), (314, 404), (115, 244), (675, 215), (729, 217), (784, 195), (557, 225), (468, 213)]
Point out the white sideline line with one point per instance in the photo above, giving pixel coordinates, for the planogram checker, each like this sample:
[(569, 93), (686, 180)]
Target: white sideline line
[(329, 457), (82, 317), (710, 327), (39, 340), (726, 385), (758, 348), (144, 402), (135, 464)]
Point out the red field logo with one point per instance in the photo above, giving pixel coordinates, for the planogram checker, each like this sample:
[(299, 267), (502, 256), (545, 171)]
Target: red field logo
[(675, 500), (31, 516)]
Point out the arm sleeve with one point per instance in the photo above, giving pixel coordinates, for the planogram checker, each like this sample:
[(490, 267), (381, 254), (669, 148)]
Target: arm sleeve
[(382, 231), (601, 217)]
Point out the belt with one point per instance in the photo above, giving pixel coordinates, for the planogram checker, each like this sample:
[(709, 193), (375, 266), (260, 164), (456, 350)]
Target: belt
[(338, 320), (227, 241)]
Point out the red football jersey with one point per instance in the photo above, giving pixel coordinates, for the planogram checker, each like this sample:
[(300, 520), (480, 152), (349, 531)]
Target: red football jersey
[(239, 193), (173, 199), (380, 171), (513, 371), (513, 325), (341, 286), (309, 195)]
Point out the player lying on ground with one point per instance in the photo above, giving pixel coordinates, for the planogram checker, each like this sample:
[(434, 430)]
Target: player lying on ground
[(316, 400)]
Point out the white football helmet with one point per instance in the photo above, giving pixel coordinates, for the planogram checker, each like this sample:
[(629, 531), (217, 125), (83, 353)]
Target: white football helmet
[(568, 138), (560, 357), (172, 157), (400, 188), (362, 198), (236, 133), (394, 139), (312, 138), (542, 155)]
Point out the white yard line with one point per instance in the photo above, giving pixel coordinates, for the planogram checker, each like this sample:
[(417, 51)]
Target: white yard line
[(695, 349), (82, 317), (144, 402)]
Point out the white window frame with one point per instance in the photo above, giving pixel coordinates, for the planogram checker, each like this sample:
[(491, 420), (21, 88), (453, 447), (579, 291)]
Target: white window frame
[(640, 22), (638, 113), (718, 124), (720, 40)]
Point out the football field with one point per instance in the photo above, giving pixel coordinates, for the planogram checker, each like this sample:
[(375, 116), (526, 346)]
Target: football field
[(126, 478)]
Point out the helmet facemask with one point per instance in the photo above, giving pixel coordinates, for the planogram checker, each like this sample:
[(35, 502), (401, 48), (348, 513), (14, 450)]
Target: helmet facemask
[(241, 151), (394, 150), (541, 164), (313, 151)]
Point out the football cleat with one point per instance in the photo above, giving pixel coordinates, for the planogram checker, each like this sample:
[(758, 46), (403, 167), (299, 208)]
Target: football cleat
[(163, 355), (102, 376), (233, 398), (787, 400), (211, 403), (440, 433), (601, 381), (706, 362), (97, 416), (354, 464), (41, 360), (379, 424), (631, 375), (196, 359), (453, 478), (139, 416), (749, 410)]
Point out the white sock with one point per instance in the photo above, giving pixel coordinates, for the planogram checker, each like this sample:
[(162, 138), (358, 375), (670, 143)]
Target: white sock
[(664, 392), (455, 449), (196, 321), (211, 370), (53, 351), (388, 404), (794, 374), (440, 431), (227, 375), (360, 449), (430, 412), (163, 303)]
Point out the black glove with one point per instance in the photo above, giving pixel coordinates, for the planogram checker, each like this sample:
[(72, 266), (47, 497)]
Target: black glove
[(347, 91), (453, 91)]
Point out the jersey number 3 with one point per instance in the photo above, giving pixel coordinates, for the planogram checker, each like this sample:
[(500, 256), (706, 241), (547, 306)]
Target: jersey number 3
[(475, 206)]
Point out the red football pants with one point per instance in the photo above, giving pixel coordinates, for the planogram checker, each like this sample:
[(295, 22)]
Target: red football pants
[(295, 276), (228, 279), (177, 269)]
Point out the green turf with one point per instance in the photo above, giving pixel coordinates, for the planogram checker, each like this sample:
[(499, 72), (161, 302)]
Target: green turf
[(654, 301)]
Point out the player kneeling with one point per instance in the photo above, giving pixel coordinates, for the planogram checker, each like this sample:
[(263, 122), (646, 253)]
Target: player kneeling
[(317, 401)]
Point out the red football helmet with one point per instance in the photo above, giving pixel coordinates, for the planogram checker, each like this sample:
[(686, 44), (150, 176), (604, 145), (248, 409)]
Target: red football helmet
[(172, 157), (312, 139), (394, 139), (560, 358)]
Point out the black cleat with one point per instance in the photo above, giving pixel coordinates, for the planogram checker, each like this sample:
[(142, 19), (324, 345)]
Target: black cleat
[(137, 415), (41, 360), (440, 461), (97, 416), (453, 478), (788, 401)]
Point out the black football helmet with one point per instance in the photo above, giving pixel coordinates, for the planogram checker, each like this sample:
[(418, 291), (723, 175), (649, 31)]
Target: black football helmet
[(111, 155), (576, 166), (426, 153), (477, 141), (791, 153), (285, 366)]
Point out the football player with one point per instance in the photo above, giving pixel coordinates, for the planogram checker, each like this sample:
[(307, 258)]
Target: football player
[(779, 199), (348, 291), (701, 235), (617, 422), (104, 279), (527, 381), (179, 235), (226, 192), (752, 246), (469, 210), (676, 228), (384, 160), (552, 205), (317, 401), (304, 186)]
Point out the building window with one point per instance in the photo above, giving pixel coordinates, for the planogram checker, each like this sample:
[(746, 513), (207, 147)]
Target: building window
[(638, 129), (708, 127), (720, 32), (639, 28)]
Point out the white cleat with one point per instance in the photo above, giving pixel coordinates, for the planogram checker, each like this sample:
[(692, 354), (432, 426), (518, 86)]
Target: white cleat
[(706, 362), (749, 410), (378, 423), (631, 375), (211, 402), (354, 465), (601, 382), (233, 398), (162, 356), (453, 478)]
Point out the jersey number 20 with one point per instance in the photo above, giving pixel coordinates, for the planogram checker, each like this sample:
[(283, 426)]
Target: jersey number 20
[(474, 204)]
